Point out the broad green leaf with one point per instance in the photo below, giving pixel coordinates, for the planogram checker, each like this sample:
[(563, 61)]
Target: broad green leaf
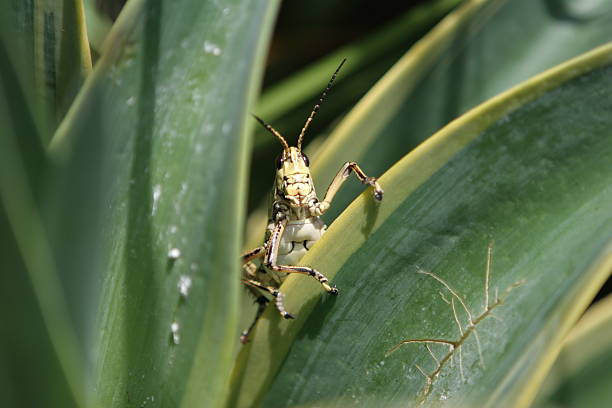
[(288, 103), (152, 163), (526, 172), (307, 84), (581, 374), (98, 25), (465, 60), (73, 56), (40, 360)]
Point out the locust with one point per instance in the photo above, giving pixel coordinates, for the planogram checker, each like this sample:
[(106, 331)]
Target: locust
[(294, 221)]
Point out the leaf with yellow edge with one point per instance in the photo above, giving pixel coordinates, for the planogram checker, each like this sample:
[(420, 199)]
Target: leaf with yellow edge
[(527, 173)]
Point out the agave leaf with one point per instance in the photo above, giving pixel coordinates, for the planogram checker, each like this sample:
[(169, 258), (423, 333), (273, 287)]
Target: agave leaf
[(41, 363), (581, 374), (528, 174), (466, 59), (302, 87), (41, 359), (287, 103), (98, 24), (52, 38), (73, 60), (152, 163)]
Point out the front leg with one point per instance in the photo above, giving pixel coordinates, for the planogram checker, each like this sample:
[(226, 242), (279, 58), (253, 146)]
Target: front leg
[(270, 259), (252, 254), (318, 208)]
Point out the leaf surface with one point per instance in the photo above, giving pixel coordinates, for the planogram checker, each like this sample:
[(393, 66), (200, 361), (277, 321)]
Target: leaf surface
[(526, 172), (151, 163), (581, 375), (466, 59)]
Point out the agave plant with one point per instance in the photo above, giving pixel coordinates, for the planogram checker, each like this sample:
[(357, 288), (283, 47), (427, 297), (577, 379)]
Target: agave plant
[(123, 192)]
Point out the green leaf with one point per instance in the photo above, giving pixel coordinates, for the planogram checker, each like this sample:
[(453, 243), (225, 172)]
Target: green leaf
[(98, 23), (581, 374), (527, 171), (463, 61), (73, 56), (151, 163), (307, 84), (288, 103), (40, 359), (51, 38)]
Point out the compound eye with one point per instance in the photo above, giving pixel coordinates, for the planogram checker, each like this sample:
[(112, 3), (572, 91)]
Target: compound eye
[(306, 161), (279, 161)]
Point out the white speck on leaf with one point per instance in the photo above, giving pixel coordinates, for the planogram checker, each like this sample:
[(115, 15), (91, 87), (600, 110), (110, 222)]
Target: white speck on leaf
[(174, 254), (174, 329), (156, 194), (184, 285), (211, 48)]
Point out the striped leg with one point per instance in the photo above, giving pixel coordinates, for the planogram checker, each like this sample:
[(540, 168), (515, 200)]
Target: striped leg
[(332, 290), (278, 296), (262, 302), (253, 254), (343, 174), (249, 270), (272, 254)]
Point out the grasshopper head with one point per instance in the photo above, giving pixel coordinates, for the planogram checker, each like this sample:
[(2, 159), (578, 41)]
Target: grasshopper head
[(293, 180)]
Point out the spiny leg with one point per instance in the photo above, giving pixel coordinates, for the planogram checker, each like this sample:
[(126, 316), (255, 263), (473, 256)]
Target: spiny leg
[(252, 254), (262, 302), (278, 296), (304, 270), (249, 271), (320, 207), (270, 259)]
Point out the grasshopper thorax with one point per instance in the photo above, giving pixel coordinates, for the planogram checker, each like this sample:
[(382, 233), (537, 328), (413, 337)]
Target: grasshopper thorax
[(293, 181)]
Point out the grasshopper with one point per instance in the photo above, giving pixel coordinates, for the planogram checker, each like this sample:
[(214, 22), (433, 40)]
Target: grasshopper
[(294, 222)]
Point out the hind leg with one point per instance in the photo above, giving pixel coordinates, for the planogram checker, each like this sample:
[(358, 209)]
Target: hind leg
[(278, 296), (262, 302)]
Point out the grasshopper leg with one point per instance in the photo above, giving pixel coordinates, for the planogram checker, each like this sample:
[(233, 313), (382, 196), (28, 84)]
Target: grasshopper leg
[(262, 302), (305, 270), (343, 174), (321, 207), (250, 273), (271, 255), (278, 296), (253, 254)]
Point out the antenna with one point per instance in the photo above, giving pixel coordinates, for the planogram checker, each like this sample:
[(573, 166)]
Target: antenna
[(318, 105), (273, 131)]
